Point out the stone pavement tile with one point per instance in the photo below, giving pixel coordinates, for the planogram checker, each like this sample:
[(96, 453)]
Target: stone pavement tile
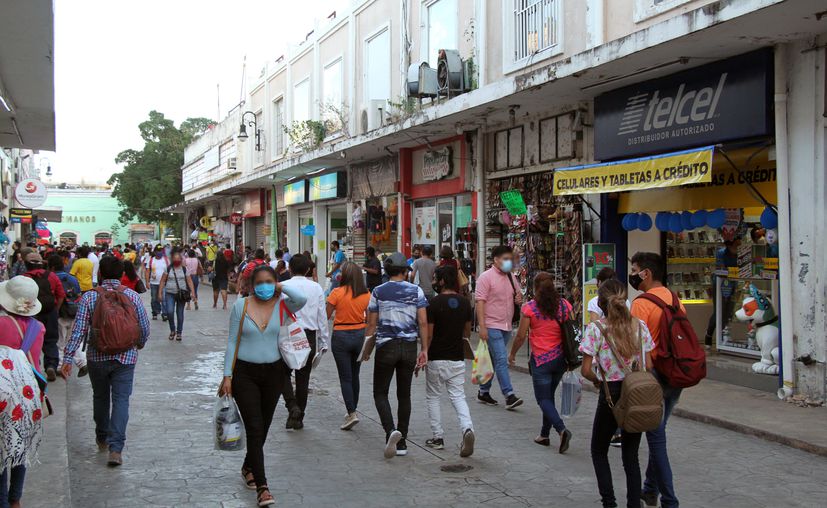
[(170, 459)]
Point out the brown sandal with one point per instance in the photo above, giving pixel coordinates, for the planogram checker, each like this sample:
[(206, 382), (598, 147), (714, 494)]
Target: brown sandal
[(264, 497), (248, 478)]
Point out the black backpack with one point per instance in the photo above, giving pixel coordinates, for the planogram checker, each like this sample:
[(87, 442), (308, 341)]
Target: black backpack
[(69, 309), (44, 293)]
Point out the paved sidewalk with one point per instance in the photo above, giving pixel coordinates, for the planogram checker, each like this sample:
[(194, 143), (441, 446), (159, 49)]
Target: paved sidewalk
[(170, 460)]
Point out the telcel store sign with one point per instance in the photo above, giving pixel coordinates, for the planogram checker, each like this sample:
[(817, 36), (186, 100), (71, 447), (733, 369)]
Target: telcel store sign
[(710, 104)]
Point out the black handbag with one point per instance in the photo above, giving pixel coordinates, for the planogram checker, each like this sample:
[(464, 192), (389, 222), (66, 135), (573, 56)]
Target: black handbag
[(183, 295), (570, 330), (140, 287), (516, 317)]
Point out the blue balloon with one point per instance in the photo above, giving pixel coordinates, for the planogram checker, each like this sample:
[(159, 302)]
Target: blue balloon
[(686, 220), (675, 225), (699, 219), (769, 219), (644, 222), (629, 222), (662, 221), (716, 219)]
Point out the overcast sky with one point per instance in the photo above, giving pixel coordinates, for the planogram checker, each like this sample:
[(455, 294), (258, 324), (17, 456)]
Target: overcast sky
[(115, 61)]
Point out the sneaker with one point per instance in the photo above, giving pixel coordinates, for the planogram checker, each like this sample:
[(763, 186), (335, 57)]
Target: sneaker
[(617, 441), (486, 398), (512, 402), (115, 459), (51, 374), (163, 317), (649, 498), (155, 317), (467, 448), (435, 443), (83, 371), (390, 445), (565, 439), (293, 419), (350, 421), (401, 448)]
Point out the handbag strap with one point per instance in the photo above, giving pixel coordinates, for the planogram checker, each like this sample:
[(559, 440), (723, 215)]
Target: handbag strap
[(238, 334), (175, 275)]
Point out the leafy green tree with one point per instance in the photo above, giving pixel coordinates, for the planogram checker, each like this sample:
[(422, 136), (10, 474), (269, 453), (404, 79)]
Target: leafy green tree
[(151, 178)]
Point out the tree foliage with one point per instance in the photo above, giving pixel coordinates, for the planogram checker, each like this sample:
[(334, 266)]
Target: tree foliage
[(151, 179)]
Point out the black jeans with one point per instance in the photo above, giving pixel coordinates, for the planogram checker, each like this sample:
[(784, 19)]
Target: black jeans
[(346, 346), (396, 356), (256, 387), (602, 431), (299, 397), (51, 354)]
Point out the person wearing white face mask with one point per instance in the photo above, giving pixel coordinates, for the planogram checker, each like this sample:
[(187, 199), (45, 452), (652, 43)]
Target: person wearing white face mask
[(497, 295)]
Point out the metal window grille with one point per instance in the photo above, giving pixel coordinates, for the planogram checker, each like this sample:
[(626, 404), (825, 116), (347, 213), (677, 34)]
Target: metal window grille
[(278, 128), (535, 27)]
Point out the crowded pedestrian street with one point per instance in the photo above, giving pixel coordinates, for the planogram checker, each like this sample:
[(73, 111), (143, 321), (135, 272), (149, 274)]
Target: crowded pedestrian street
[(170, 459)]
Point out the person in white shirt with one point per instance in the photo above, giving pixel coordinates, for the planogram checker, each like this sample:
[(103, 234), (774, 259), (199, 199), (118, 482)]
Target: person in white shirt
[(313, 318), (95, 262), (602, 276), (155, 271)]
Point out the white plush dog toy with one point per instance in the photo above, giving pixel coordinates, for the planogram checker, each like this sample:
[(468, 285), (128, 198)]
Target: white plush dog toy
[(758, 310)]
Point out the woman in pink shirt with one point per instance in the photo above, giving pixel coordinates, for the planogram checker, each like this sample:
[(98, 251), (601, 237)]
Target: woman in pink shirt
[(18, 303), (540, 319), (194, 272)]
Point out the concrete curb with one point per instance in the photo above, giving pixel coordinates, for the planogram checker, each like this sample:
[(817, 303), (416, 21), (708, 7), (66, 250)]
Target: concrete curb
[(729, 425)]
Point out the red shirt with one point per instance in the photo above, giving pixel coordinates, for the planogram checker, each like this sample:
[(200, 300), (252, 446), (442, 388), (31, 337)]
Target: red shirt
[(545, 335), (449, 262), (126, 281), (54, 282)]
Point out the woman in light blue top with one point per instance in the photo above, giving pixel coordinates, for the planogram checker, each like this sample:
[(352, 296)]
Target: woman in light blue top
[(253, 369)]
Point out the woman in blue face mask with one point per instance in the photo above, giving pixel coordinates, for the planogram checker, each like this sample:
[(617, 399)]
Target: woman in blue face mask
[(254, 372)]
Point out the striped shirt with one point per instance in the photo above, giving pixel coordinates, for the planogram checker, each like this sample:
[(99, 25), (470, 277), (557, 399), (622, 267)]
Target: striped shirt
[(83, 322)]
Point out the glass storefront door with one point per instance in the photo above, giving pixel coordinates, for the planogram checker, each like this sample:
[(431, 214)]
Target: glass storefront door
[(306, 232), (445, 221)]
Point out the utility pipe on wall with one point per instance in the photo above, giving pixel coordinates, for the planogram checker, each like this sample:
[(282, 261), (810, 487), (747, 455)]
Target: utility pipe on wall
[(784, 220)]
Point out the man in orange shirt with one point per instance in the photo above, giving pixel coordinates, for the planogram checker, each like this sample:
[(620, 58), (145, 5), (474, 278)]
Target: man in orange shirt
[(647, 275)]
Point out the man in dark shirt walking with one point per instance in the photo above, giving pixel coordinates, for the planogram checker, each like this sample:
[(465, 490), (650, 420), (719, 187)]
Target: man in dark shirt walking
[(449, 326), (373, 269)]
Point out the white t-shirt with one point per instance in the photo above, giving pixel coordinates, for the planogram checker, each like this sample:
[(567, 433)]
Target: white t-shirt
[(95, 263), (594, 308), (158, 267)]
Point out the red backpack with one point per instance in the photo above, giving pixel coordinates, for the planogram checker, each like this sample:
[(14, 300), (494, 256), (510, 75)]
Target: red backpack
[(115, 325), (680, 358)]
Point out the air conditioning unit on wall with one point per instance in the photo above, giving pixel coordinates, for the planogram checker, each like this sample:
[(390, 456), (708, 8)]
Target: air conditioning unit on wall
[(371, 117), (232, 163), (453, 74)]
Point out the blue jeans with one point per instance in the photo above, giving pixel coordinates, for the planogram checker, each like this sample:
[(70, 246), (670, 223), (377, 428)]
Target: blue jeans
[(111, 381), (497, 342), (346, 346), (155, 302), (175, 310), (196, 280), (12, 491), (659, 471), (545, 378)]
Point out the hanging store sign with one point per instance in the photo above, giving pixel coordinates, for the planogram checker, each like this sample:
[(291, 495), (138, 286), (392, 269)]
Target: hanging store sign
[(713, 103), (295, 193), (20, 215), (254, 203), (329, 186), (308, 230), (513, 201), (671, 170), (30, 193), (235, 219), (437, 164)]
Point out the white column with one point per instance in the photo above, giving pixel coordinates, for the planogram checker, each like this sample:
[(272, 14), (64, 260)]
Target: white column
[(320, 243)]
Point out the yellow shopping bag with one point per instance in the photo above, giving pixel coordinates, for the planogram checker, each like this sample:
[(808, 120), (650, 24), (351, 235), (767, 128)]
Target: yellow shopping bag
[(482, 370)]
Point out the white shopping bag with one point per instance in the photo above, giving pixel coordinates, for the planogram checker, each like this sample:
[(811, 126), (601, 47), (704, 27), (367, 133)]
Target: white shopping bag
[(572, 391), (293, 344)]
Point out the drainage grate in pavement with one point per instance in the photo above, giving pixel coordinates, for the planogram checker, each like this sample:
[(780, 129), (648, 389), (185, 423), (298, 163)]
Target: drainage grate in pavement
[(455, 468)]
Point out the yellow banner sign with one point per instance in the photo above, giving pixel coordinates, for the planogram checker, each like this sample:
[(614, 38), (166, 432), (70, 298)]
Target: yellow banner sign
[(670, 170)]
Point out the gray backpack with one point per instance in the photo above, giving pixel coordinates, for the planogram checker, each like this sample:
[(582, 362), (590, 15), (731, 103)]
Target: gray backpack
[(640, 407)]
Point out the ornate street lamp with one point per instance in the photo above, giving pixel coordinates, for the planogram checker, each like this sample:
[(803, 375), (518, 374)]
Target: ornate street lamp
[(242, 130)]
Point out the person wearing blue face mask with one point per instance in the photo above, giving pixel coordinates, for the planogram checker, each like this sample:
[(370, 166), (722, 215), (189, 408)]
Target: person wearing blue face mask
[(254, 372)]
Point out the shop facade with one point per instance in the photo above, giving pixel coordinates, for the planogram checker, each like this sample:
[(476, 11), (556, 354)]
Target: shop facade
[(689, 172), (317, 213), (440, 206), (375, 204)]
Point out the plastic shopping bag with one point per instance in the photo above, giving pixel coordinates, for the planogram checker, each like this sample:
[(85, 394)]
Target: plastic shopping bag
[(229, 429), (482, 370), (293, 344), (572, 391)]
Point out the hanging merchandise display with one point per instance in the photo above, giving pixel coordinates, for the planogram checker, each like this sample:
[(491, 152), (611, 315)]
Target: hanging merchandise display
[(548, 236)]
